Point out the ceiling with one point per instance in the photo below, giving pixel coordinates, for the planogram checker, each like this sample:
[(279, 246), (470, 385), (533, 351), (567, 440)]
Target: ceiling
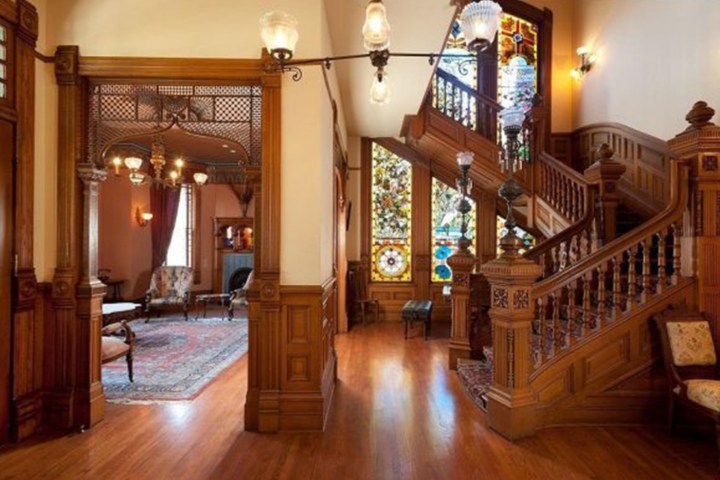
[(417, 26)]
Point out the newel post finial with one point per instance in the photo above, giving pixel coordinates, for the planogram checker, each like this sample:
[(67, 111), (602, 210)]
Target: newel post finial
[(700, 115)]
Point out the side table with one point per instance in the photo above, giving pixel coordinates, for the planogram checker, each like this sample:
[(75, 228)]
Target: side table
[(209, 298)]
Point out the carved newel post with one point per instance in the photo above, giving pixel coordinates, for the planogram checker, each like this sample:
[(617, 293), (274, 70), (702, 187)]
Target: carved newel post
[(462, 263), (605, 173), (511, 403), (700, 145)]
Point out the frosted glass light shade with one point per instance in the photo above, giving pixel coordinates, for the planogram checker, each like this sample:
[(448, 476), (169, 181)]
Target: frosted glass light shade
[(465, 159), (200, 178), (136, 178), (279, 34), (376, 29), (133, 163), (479, 22), (512, 117), (380, 91)]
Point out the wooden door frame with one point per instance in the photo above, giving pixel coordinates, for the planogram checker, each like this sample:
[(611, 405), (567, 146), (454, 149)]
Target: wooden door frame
[(77, 399)]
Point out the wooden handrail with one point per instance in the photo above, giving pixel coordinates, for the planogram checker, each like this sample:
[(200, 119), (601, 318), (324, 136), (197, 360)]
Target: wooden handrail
[(672, 213), (457, 83)]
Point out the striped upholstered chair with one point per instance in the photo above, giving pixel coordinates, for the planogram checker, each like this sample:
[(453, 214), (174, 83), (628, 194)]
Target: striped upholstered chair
[(169, 290)]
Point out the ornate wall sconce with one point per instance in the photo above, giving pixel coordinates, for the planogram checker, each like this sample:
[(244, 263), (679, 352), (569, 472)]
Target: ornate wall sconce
[(587, 60), (143, 218)]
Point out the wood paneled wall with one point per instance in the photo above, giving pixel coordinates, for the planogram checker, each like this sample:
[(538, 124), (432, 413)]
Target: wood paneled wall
[(21, 334), (393, 295)]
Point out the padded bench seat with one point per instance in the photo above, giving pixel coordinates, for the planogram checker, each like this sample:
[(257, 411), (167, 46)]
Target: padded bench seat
[(417, 311)]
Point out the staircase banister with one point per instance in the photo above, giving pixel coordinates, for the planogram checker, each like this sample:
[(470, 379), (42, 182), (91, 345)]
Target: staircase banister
[(563, 168), (679, 175), (456, 82), (575, 229)]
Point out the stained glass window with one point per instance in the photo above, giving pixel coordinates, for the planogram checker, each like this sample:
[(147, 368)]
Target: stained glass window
[(528, 241), (391, 195), (446, 221), (517, 61), (3, 62), (456, 45)]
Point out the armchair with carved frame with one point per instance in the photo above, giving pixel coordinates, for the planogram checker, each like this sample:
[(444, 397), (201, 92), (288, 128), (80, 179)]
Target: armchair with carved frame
[(691, 362), (169, 289), (113, 347)]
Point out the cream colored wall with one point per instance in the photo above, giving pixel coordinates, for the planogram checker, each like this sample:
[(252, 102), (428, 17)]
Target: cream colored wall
[(187, 28), (655, 59)]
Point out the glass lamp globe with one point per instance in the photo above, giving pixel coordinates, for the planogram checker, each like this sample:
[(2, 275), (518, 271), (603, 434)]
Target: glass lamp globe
[(133, 163), (465, 159), (380, 90), (200, 178), (279, 34), (376, 29), (479, 22), (136, 178), (512, 117)]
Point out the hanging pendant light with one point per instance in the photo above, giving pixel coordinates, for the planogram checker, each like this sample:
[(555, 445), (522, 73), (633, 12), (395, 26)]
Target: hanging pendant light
[(479, 22), (279, 34), (380, 90), (376, 29), (200, 178)]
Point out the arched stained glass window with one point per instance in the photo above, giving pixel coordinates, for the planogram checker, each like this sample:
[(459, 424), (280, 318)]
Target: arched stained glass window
[(391, 197), (528, 241), (446, 221)]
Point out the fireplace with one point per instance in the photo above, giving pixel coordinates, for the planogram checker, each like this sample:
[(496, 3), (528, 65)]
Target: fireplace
[(238, 278)]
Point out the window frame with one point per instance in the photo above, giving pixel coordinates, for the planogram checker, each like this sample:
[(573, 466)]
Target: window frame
[(9, 63)]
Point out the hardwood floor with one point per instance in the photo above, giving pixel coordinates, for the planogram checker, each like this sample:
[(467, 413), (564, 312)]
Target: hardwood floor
[(398, 413)]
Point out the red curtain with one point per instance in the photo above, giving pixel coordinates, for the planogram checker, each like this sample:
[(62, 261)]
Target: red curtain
[(164, 206)]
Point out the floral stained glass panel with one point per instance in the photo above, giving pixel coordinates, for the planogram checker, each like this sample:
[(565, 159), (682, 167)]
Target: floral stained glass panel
[(391, 197), (3, 63), (528, 241), (446, 223)]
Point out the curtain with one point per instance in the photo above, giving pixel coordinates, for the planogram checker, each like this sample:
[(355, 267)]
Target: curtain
[(164, 207)]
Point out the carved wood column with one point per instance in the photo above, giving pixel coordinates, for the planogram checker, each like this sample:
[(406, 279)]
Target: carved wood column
[(62, 395), (262, 407), (511, 403), (700, 144), (462, 264), (606, 173), (27, 341)]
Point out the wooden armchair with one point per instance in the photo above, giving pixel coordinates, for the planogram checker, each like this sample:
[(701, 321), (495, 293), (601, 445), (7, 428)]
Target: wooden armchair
[(360, 298), (691, 364), (169, 289), (113, 347)]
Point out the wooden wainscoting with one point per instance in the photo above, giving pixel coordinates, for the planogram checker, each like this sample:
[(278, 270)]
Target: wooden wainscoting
[(561, 147), (645, 184), (308, 362), (547, 220)]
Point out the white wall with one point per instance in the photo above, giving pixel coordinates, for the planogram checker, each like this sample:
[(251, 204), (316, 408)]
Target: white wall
[(655, 59), (187, 28)]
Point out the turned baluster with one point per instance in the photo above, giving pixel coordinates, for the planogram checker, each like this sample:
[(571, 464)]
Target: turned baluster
[(662, 260), (554, 259), (542, 331), (645, 270), (573, 251), (594, 242), (601, 295), (555, 328), (571, 312), (563, 254), (584, 244), (576, 203), (677, 234), (564, 198), (587, 301), (555, 189), (632, 278), (617, 287)]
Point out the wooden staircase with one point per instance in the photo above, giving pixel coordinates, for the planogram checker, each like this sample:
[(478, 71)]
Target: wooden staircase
[(572, 340)]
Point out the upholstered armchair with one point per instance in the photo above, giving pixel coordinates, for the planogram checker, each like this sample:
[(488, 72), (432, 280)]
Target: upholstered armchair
[(238, 297), (113, 347), (169, 289), (691, 363)]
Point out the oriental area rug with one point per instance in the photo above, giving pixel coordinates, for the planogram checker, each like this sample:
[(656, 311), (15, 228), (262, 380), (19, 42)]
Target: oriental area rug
[(475, 377), (174, 359)]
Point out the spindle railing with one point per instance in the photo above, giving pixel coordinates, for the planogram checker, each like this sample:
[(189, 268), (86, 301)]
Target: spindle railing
[(611, 282), (561, 187), (463, 104)]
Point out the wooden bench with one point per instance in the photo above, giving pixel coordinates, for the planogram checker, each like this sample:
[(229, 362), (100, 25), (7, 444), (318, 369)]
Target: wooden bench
[(417, 311)]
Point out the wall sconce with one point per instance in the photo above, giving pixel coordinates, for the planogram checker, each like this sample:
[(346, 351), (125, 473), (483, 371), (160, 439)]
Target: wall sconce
[(143, 218), (587, 60)]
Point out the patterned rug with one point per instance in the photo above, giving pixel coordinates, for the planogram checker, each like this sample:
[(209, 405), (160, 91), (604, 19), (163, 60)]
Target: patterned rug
[(174, 359), (475, 377)]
